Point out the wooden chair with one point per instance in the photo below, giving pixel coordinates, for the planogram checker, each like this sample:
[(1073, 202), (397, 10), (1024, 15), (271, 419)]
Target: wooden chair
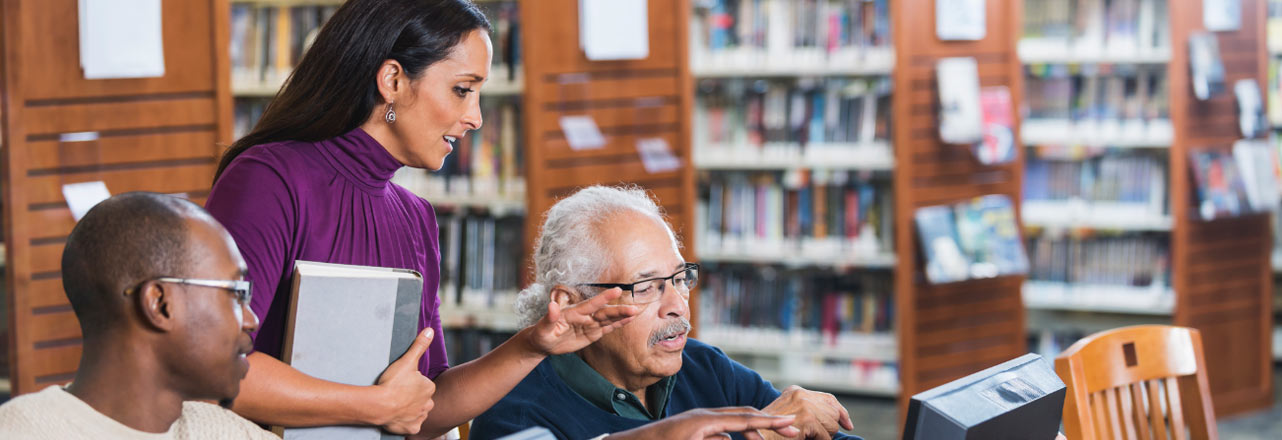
[(1143, 382)]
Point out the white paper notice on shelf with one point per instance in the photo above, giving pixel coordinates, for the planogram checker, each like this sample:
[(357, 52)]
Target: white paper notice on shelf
[(614, 29), (582, 133), (1222, 15), (656, 156), (83, 196), (121, 39), (960, 19)]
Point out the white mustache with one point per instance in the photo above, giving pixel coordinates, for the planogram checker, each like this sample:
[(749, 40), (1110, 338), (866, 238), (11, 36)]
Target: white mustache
[(674, 327)]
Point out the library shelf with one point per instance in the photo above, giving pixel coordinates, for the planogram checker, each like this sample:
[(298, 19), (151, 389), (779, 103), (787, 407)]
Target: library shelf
[(878, 346), (1097, 216), (499, 314), (1152, 134), (287, 3), (795, 257), (245, 87), (873, 156), (1277, 342), (1154, 300), (1033, 51), (756, 63), (497, 204)]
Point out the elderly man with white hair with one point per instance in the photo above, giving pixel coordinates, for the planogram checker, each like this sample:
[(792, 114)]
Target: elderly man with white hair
[(604, 238)]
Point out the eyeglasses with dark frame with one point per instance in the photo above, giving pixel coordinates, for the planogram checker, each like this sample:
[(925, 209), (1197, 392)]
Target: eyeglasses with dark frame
[(241, 288), (651, 289)]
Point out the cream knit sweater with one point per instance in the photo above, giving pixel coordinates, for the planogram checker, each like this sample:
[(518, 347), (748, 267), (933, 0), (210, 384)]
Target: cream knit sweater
[(53, 413)]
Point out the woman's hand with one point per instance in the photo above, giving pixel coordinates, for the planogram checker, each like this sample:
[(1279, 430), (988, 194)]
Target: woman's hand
[(405, 391), (574, 327)]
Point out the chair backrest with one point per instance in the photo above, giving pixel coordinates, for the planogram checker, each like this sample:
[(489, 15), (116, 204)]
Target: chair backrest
[(1146, 382)]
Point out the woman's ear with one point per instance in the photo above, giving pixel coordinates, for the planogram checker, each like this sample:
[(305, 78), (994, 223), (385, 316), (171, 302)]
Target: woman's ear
[(391, 80)]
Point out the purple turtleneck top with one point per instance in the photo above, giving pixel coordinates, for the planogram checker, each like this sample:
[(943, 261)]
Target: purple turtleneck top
[(330, 201)]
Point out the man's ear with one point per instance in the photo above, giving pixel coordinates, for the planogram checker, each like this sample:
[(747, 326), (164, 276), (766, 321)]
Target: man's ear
[(564, 296), (391, 80), (155, 304)]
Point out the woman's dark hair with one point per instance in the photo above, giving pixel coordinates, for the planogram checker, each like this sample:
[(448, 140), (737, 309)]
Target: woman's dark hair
[(333, 89)]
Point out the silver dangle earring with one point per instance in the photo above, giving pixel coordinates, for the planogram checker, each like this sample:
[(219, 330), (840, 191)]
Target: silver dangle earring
[(390, 117)]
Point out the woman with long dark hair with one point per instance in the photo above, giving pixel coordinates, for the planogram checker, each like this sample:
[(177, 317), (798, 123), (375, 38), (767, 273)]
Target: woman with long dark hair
[(387, 83)]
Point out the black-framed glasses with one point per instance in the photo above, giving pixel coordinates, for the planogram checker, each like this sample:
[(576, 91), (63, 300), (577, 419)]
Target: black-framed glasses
[(241, 288), (650, 290)]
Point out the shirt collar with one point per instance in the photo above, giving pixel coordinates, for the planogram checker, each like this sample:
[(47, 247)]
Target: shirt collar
[(591, 386)]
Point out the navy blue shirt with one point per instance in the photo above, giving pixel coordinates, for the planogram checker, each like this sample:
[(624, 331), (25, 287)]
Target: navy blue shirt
[(707, 379)]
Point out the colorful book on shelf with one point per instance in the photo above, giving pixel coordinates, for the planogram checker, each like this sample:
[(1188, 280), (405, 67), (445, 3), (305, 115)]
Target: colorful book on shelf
[(1220, 188), (998, 144), (978, 238)]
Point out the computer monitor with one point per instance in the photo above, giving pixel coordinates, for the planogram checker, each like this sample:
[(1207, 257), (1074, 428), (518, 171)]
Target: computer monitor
[(1021, 399)]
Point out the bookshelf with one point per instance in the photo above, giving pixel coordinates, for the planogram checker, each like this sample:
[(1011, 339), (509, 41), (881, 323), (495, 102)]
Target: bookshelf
[(1108, 190), (155, 134), (794, 162)]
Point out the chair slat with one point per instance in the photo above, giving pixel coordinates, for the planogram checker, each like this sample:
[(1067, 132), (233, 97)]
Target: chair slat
[(1110, 402), (1125, 412), (1141, 411), (1101, 419), (1155, 409), (1174, 410)]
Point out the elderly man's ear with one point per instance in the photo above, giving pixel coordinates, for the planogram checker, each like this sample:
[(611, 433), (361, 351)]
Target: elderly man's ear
[(563, 296)]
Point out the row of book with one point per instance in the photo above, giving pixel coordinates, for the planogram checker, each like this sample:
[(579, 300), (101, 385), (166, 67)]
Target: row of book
[(789, 25), (488, 162), (775, 212), (1097, 92), (1122, 178), (267, 41), (1132, 259), (831, 305), (974, 239), (480, 258), (1119, 25), (246, 114), (467, 344), (757, 112)]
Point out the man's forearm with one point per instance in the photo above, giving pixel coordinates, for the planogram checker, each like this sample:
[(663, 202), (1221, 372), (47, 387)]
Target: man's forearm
[(275, 393), (465, 391)]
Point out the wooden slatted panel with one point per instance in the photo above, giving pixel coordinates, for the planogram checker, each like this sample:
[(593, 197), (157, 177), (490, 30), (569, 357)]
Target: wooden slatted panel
[(948, 331), (1207, 256), (629, 100), (154, 134)]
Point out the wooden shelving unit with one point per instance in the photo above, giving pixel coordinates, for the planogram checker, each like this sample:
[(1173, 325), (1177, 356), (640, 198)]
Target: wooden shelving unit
[(1222, 271), (948, 331), (153, 134)]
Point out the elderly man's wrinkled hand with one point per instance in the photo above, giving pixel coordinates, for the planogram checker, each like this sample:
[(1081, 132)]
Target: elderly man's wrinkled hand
[(579, 325), (706, 424), (819, 415)]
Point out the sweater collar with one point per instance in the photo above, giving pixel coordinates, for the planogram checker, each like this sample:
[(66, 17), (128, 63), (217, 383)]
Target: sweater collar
[(361, 158)]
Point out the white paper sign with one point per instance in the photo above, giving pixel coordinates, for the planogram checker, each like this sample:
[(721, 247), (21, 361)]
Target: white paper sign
[(656, 156), (960, 19), (960, 119), (1222, 15), (121, 39), (582, 133), (614, 29), (83, 196)]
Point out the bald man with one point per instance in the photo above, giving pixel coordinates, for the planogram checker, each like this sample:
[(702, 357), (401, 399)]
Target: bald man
[(158, 288)]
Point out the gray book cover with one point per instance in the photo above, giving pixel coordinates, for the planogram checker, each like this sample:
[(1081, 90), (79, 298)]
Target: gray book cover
[(346, 324)]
